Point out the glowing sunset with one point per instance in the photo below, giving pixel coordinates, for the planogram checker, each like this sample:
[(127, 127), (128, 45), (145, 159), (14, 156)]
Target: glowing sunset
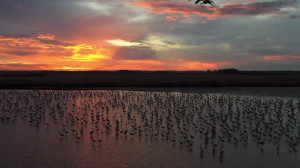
[(148, 35), (149, 83)]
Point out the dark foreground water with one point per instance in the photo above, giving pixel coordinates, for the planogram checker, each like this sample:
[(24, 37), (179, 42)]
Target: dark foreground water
[(125, 128)]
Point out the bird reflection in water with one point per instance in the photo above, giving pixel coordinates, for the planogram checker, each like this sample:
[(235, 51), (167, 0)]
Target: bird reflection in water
[(206, 122)]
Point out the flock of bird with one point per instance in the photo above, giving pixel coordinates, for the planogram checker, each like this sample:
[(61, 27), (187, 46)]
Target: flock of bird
[(207, 122)]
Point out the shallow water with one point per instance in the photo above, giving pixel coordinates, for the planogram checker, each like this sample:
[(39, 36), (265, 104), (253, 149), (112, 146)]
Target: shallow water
[(153, 128)]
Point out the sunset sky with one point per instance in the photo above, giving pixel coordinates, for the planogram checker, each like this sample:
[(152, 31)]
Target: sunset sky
[(149, 35)]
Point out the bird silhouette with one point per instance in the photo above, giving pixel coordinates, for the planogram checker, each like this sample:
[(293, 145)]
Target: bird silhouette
[(204, 2), (203, 121)]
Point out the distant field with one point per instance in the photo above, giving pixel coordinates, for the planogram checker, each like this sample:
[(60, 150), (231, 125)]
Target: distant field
[(54, 79)]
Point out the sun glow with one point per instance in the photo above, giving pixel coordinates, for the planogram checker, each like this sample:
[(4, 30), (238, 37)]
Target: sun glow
[(44, 47), (44, 52), (86, 53), (66, 68), (123, 43)]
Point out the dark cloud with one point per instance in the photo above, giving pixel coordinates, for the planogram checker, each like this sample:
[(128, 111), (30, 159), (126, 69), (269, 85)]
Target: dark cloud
[(294, 16), (55, 42), (20, 53), (70, 19), (135, 53), (34, 35), (262, 64), (20, 66), (256, 8), (216, 11), (23, 35)]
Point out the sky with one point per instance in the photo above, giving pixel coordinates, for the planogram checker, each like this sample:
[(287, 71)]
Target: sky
[(149, 35)]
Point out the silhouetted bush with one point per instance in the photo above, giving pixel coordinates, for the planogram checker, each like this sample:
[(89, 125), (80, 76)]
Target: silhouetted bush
[(228, 71)]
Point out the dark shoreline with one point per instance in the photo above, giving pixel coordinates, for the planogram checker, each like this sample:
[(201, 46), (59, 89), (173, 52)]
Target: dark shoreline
[(100, 79)]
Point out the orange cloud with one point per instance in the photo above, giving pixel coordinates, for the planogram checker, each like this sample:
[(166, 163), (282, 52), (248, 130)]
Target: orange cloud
[(44, 47), (179, 65), (43, 52), (172, 17), (281, 57), (86, 53)]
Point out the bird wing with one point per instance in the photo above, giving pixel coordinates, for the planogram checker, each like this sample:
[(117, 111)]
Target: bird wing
[(198, 1)]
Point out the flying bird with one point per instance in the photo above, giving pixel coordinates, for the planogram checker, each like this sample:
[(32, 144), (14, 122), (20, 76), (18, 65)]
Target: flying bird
[(204, 2)]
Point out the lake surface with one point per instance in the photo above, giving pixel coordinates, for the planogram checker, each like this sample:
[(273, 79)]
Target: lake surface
[(157, 127)]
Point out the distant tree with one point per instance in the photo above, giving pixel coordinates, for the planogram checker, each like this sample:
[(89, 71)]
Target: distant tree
[(228, 71)]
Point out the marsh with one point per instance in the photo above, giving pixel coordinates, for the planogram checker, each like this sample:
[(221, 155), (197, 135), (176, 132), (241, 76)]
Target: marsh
[(149, 128)]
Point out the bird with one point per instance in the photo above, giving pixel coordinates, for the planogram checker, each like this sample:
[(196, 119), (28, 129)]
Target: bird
[(190, 120), (204, 2)]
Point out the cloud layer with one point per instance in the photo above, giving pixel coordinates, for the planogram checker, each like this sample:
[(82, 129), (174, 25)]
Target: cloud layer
[(148, 35)]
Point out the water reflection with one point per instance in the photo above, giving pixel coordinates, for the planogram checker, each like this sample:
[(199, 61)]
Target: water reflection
[(207, 128)]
